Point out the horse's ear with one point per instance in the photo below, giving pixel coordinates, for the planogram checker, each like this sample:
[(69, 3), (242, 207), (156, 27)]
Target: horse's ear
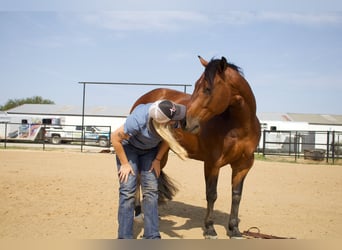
[(223, 64), (203, 62)]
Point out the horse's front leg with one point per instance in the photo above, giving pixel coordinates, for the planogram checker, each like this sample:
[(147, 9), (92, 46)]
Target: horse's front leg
[(238, 177), (233, 225), (211, 178)]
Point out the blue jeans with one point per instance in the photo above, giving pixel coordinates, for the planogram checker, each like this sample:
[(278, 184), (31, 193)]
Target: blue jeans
[(141, 161)]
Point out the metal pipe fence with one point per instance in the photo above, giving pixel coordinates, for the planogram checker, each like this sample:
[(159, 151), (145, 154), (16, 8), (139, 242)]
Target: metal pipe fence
[(311, 145)]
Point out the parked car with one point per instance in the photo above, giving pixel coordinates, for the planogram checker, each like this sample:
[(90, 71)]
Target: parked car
[(59, 134)]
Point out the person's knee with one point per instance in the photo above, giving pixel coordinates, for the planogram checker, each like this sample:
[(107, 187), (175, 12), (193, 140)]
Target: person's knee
[(149, 184), (128, 189)]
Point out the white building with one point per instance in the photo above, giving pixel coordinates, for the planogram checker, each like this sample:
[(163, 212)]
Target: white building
[(115, 116), (70, 115), (312, 130), (295, 121), (23, 122)]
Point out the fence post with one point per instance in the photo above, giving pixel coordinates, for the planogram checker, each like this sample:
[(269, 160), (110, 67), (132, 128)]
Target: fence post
[(83, 110), (328, 140), (290, 142), (296, 145), (110, 137), (333, 146), (263, 142), (44, 129), (5, 144)]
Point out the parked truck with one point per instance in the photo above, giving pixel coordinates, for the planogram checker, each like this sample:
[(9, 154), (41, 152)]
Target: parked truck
[(68, 134)]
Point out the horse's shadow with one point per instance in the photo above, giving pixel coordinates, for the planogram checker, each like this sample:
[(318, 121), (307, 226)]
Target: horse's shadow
[(193, 215)]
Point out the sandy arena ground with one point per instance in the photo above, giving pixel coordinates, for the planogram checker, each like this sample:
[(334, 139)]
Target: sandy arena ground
[(72, 195)]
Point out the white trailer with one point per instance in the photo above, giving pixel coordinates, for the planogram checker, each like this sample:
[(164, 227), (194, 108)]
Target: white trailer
[(24, 128)]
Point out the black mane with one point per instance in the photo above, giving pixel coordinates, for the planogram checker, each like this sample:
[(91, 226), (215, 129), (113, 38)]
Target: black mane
[(215, 65)]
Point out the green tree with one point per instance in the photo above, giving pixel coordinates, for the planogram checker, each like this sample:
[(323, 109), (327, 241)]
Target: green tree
[(12, 103)]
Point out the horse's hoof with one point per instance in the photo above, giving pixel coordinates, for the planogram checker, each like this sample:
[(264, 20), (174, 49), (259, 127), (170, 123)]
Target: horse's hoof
[(139, 218), (210, 234), (237, 238), (235, 234), (210, 237)]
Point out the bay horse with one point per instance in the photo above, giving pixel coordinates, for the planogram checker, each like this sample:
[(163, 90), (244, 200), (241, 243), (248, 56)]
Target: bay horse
[(221, 128)]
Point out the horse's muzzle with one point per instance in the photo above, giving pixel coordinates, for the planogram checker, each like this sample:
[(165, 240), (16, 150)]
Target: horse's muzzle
[(182, 123), (192, 125)]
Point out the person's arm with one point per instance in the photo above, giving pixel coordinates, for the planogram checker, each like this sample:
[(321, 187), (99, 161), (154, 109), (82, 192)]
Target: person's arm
[(117, 137), (164, 147)]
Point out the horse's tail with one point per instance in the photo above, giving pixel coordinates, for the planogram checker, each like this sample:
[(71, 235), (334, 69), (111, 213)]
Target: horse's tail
[(167, 188)]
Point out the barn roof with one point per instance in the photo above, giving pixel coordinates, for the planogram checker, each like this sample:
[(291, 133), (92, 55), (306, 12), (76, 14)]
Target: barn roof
[(273, 117), (298, 117), (69, 110), (55, 109), (317, 118)]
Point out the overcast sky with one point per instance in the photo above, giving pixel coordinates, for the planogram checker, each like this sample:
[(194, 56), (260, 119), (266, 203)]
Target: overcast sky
[(290, 52)]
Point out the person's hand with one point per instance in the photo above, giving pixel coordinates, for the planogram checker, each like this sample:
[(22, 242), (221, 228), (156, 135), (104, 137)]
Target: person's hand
[(155, 167), (125, 171)]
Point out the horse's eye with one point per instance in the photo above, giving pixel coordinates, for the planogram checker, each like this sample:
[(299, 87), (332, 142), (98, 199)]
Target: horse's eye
[(207, 90)]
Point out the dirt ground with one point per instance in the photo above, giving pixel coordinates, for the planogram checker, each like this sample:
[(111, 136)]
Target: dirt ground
[(72, 195)]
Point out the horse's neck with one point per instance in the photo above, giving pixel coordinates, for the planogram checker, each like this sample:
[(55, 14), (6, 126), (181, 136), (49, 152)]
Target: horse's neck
[(242, 96), (242, 107)]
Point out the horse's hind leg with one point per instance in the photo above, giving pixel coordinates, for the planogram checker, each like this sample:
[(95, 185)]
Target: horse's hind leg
[(238, 177), (211, 178)]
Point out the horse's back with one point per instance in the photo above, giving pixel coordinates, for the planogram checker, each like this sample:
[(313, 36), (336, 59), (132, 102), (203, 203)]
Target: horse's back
[(163, 93)]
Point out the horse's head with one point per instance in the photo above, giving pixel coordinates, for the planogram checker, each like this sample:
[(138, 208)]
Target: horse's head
[(211, 95)]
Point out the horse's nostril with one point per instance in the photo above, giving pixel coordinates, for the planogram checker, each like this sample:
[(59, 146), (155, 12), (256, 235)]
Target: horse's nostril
[(183, 123), (194, 129)]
